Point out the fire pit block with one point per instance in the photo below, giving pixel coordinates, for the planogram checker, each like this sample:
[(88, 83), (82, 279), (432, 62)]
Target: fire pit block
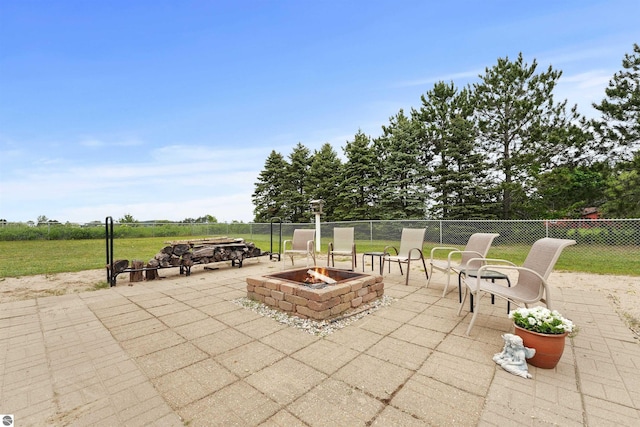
[(288, 292)]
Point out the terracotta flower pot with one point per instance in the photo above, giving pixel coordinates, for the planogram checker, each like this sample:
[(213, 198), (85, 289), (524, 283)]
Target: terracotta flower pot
[(549, 347)]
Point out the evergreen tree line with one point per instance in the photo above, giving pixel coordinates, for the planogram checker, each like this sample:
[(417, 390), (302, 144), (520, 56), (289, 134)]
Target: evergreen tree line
[(501, 148)]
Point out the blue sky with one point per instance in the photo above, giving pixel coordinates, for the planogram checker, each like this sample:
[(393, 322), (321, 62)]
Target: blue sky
[(169, 109)]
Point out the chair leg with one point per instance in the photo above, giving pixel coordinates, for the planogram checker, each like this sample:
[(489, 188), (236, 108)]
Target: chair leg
[(464, 300), (406, 280), (475, 314), (425, 270), (446, 286)]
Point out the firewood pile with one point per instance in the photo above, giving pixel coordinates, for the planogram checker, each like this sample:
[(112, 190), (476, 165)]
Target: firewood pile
[(187, 253)]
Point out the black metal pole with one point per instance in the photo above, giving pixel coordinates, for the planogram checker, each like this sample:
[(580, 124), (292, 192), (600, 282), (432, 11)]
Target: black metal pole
[(108, 230), (271, 254)]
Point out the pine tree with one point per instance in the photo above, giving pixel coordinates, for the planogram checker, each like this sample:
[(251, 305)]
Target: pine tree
[(566, 190), (402, 194), (358, 190), (457, 172), (295, 178), (623, 190), (267, 198), (522, 130), (619, 126), (323, 179)]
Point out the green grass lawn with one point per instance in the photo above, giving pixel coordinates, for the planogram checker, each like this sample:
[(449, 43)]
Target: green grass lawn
[(24, 258)]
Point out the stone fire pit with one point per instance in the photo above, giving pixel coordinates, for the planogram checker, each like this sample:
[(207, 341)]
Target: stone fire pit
[(299, 292)]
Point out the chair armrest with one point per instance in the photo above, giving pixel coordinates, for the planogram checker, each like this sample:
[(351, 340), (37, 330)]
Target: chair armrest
[(462, 253), (498, 263), (547, 297), (385, 251), (441, 248), (415, 249)]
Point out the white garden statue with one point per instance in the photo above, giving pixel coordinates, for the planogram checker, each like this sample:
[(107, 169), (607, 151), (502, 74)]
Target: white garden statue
[(514, 355)]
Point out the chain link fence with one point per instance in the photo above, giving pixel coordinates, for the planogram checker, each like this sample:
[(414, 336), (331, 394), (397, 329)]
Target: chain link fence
[(608, 232), (612, 244), (624, 233)]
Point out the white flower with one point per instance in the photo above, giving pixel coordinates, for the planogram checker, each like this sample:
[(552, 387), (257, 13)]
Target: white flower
[(541, 319)]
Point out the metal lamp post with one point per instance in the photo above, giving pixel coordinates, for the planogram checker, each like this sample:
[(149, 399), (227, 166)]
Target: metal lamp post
[(316, 208)]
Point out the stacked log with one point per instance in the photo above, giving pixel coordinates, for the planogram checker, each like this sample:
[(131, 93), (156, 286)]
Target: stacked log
[(152, 273), (136, 274), (119, 266)]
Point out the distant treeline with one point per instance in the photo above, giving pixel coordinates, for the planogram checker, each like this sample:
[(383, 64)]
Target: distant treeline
[(21, 231)]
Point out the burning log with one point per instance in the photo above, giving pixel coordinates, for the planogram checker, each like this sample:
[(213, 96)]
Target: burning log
[(326, 279)]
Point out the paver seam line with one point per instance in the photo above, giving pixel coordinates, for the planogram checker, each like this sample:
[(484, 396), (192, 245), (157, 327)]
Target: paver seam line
[(237, 381), (388, 400), (189, 341), (585, 415), (132, 359), (56, 395), (607, 302), (135, 361), (385, 401), (435, 349)]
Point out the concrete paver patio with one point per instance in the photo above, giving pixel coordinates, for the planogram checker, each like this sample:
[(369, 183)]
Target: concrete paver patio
[(178, 352)]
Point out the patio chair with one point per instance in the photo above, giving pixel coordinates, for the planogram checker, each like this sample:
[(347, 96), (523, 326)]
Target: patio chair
[(303, 243), (343, 245), (411, 242), (477, 247), (531, 285)]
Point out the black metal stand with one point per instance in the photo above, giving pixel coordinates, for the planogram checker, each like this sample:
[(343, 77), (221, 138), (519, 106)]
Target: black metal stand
[(271, 254), (108, 230)]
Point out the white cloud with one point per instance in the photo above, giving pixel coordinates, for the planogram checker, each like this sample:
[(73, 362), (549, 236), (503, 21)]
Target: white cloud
[(92, 142), (225, 208), (583, 89), (463, 75), (176, 183)]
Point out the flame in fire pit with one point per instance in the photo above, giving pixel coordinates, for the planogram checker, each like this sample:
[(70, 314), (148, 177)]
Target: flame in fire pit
[(310, 276), (320, 277)]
